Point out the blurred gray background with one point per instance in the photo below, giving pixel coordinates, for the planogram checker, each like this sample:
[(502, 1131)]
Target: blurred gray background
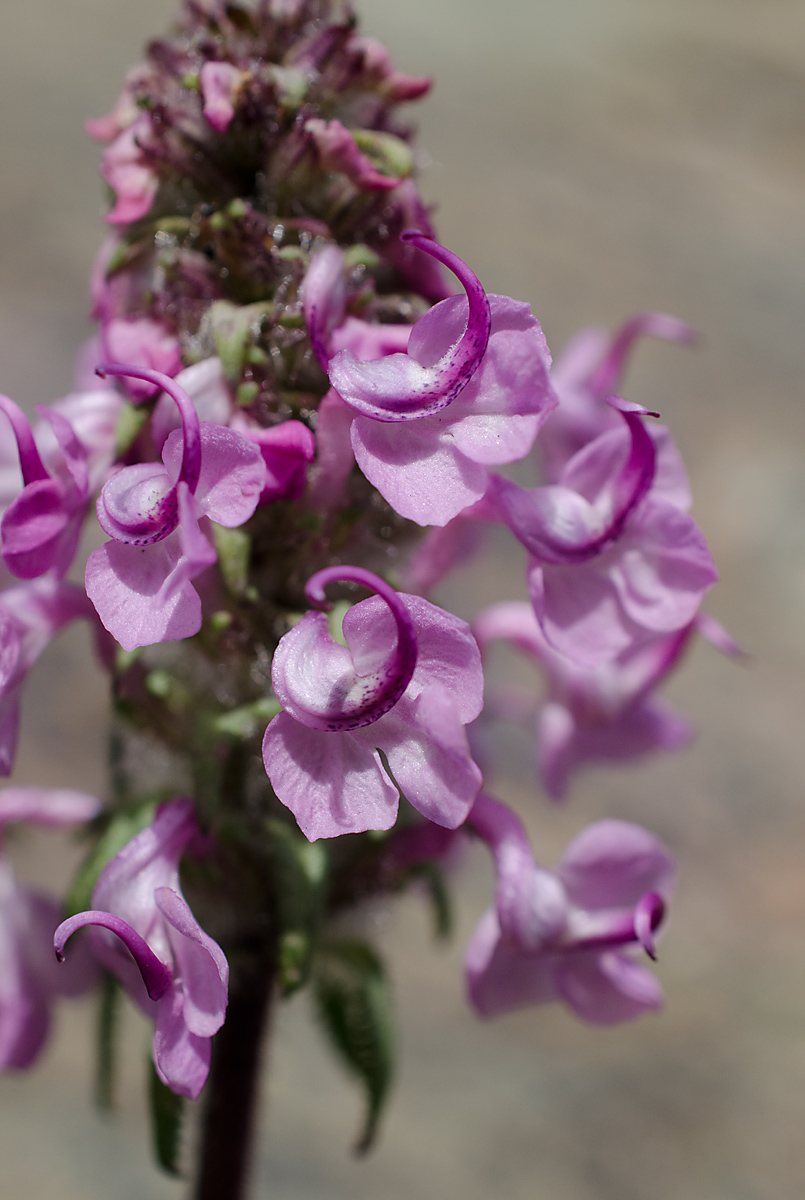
[(595, 157)]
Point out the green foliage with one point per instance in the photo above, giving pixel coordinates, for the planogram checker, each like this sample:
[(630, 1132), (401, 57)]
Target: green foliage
[(167, 1112), (354, 1005)]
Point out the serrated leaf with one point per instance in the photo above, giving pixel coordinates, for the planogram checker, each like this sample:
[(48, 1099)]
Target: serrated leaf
[(106, 1059), (167, 1112), (121, 829), (354, 1005)]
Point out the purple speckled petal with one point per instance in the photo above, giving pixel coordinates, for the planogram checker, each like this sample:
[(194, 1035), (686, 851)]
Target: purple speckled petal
[(331, 782), (612, 864), (317, 681), (606, 989), (138, 504), (400, 387)]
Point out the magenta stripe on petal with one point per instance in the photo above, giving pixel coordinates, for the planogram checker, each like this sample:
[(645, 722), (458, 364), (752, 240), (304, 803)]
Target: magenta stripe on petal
[(191, 457), (397, 387), (660, 325), (156, 976), (648, 914), (30, 463)]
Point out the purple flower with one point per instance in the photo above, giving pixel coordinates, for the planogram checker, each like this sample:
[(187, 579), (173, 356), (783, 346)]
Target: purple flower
[(29, 978), (588, 370), (378, 69), (404, 686), (472, 390), (140, 582), (220, 84), (562, 936), (145, 933), (125, 111), (41, 526), (205, 385), (128, 174), (615, 558), (595, 714)]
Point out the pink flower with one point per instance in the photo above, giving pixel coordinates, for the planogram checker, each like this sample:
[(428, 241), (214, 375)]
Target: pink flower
[(472, 390), (140, 582), (588, 370), (29, 978), (615, 558), (287, 449), (220, 84), (562, 936), (393, 85), (338, 151), (344, 705), (41, 526), (127, 172), (143, 343), (145, 933), (607, 713), (125, 111)]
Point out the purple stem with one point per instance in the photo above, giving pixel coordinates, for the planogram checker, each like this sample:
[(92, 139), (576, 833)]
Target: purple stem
[(384, 688), (31, 464), (156, 976), (191, 429), (606, 376)]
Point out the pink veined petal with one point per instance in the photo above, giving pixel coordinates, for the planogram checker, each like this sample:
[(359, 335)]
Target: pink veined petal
[(367, 341), (612, 864), (663, 568), (500, 976), (182, 1058), (232, 475), (607, 989), (200, 965), (579, 611), (47, 806), (331, 782), (422, 475), (141, 342), (124, 584), (426, 746), (127, 173), (334, 456)]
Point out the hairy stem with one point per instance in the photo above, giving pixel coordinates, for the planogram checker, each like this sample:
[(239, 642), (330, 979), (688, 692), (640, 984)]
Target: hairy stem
[(232, 1091)]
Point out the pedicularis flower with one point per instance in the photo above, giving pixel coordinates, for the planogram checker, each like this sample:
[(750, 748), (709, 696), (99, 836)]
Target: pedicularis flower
[(283, 391)]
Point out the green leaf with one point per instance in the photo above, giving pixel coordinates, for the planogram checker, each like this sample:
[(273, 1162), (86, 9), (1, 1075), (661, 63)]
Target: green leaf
[(106, 1060), (167, 1111), (121, 829), (354, 1004), (439, 896)]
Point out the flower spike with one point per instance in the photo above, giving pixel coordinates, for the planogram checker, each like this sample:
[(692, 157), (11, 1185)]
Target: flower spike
[(401, 388), (319, 682)]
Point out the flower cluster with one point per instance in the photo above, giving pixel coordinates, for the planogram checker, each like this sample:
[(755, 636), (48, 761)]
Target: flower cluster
[(284, 391)]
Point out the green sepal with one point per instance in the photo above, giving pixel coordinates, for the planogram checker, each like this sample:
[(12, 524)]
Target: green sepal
[(391, 155), (233, 326), (167, 1112), (248, 720), (105, 1049), (433, 878), (354, 1004), (234, 548), (121, 829)]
